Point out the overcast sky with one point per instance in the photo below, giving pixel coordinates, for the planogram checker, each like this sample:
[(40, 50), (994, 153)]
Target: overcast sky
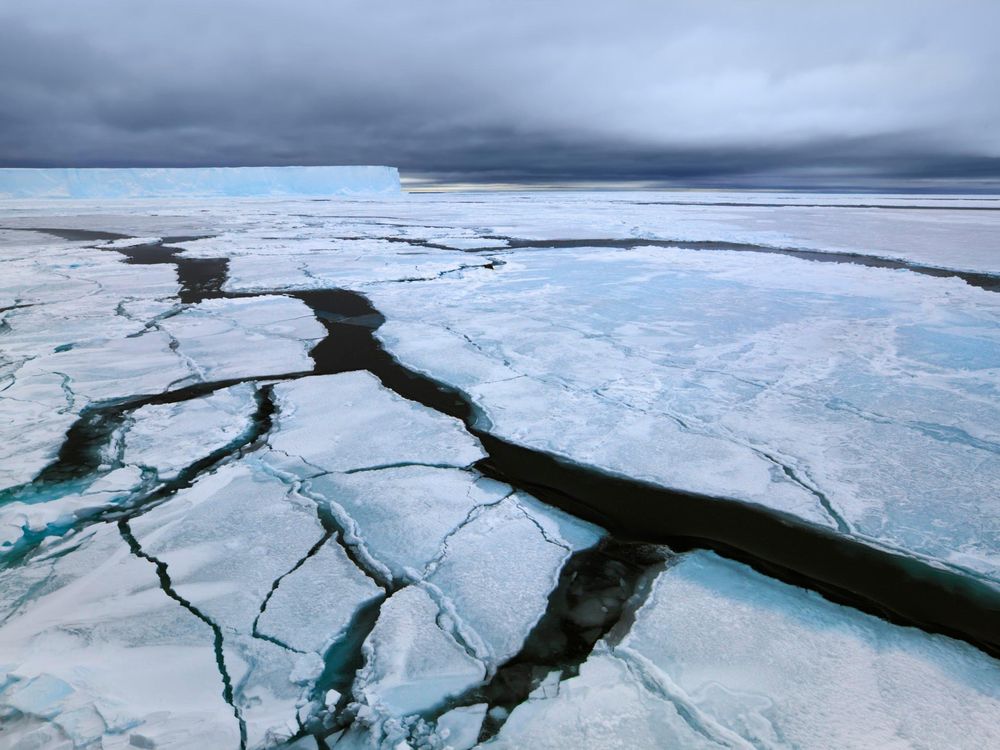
[(743, 92)]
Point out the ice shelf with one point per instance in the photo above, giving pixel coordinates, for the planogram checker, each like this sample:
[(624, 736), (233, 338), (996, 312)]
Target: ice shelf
[(197, 182)]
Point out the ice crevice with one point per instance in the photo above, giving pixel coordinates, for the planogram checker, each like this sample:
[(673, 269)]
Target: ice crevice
[(399, 465), (597, 592), (985, 281), (101, 451), (934, 430), (601, 393), (808, 486), (339, 526), (168, 589), (382, 365), (658, 683)]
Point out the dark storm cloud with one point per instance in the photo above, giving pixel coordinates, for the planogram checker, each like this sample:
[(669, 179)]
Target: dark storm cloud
[(770, 92)]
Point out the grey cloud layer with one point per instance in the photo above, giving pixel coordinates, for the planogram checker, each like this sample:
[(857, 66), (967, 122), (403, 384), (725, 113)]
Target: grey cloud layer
[(510, 91)]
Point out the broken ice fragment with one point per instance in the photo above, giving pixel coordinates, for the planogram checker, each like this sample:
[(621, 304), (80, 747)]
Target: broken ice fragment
[(459, 728), (94, 645), (411, 664), (227, 538), (170, 437), (315, 603), (349, 421)]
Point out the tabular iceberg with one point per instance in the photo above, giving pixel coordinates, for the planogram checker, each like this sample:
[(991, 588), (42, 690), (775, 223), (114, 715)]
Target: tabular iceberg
[(197, 182)]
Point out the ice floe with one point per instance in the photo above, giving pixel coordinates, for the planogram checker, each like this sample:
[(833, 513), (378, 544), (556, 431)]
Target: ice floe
[(315, 556), (850, 397)]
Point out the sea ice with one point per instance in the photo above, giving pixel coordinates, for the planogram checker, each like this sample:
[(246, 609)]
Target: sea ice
[(499, 615), (91, 644), (721, 656), (224, 339), (362, 425), (781, 666), (459, 728), (853, 398), (606, 706), (313, 605), (862, 400), (38, 517), (420, 504), (411, 663), (170, 437), (228, 538)]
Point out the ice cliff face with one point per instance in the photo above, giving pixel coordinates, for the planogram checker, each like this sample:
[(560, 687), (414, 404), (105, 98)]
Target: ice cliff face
[(197, 182)]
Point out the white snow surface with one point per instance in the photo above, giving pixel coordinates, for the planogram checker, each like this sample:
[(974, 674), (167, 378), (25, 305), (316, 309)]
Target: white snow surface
[(364, 426), (412, 664), (729, 638)]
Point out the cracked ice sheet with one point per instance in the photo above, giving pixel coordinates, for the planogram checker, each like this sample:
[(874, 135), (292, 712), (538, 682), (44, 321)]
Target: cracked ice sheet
[(506, 545), (228, 537), (411, 663), (93, 650), (717, 371), (35, 418), (214, 340), (949, 239), (163, 438), (361, 424), (301, 261), (314, 604), (606, 706), (472, 612), (69, 323), (420, 504), (170, 437), (225, 541), (54, 516), (78, 304), (235, 338), (722, 640), (481, 561)]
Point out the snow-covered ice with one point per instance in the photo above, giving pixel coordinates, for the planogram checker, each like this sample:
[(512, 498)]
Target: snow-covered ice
[(500, 615), (314, 603), (411, 663), (170, 437), (851, 397), (239, 538), (423, 504), (224, 339), (721, 656), (362, 425), (605, 706), (226, 539), (91, 645), (54, 516)]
